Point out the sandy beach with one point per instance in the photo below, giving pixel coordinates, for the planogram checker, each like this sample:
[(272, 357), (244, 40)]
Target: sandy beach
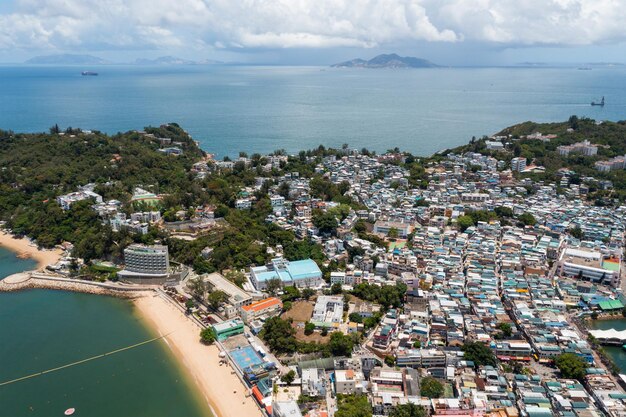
[(224, 392), (25, 249)]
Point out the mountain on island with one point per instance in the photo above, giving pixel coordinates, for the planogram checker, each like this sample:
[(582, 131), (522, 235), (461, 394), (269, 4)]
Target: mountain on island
[(172, 60), (67, 59), (387, 61)]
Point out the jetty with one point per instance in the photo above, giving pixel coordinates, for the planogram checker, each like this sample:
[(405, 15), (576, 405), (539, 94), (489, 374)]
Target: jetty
[(33, 279)]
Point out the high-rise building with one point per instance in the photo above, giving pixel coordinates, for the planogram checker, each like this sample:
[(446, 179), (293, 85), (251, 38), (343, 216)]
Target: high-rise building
[(145, 262), (518, 164)]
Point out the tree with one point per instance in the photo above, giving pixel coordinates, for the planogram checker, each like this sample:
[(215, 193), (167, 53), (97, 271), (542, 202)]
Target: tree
[(308, 293), (353, 406), (464, 222), (279, 335), (208, 336), (340, 344), (355, 317), (408, 410), (502, 211), (236, 277), (505, 328), (273, 286), (576, 232), (287, 305), (283, 189), (289, 377), (325, 222), (309, 328), (336, 289), (216, 298), (197, 287), (390, 360), (393, 233), (290, 293), (528, 219), (417, 344), (478, 353), (431, 387), (571, 366)]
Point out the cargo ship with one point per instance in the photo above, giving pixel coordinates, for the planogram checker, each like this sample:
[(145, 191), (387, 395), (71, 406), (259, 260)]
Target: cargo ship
[(88, 73)]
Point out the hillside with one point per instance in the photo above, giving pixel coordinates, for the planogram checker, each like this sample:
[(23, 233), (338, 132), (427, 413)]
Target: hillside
[(387, 61), (40, 167), (611, 136), (67, 59)]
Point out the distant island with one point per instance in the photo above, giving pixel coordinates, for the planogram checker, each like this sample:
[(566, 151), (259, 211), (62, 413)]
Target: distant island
[(387, 61), (172, 60), (67, 59), (73, 59)]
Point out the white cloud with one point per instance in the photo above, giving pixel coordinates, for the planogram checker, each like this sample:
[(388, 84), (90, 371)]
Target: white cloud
[(136, 24)]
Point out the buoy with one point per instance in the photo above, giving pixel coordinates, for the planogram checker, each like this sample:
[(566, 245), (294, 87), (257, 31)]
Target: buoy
[(70, 411)]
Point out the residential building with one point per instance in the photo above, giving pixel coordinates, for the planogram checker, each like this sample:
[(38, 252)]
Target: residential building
[(518, 164), (350, 382), (313, 382)]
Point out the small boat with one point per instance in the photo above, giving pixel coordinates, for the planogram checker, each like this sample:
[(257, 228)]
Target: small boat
[(600, 103), (70, 411), (624, 347), (88, 73)]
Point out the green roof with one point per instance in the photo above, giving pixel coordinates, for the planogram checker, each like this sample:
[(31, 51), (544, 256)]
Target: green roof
[(611, 305)]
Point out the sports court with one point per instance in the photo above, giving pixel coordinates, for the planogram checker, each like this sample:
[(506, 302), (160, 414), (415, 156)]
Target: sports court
[(245, 356)]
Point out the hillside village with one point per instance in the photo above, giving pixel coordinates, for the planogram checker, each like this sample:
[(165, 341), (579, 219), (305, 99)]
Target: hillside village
[(453, 285)]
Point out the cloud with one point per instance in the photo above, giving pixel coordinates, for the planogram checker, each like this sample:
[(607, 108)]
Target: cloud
[(240, 24)]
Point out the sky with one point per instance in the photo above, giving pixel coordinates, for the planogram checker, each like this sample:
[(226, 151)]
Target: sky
[(448, 32)]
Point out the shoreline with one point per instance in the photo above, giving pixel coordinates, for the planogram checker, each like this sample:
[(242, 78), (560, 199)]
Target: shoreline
[(223, 391), (25, 249), (220, 390), (29, 280)]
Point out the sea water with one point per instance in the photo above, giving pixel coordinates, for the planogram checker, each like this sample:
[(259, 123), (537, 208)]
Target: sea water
[(260, 109), (44, 329)]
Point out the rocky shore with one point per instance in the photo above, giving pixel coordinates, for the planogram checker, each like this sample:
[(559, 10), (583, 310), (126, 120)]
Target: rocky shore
[(32, 280)]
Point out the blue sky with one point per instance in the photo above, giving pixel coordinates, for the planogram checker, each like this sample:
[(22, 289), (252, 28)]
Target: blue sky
[(449, 32)]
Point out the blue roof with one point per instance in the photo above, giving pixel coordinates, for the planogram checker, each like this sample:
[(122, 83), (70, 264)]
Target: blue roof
[(304, 269), (294, 270)]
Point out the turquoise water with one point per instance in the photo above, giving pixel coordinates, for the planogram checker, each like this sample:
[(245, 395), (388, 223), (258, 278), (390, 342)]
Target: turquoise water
[(616, 352), (11, 264), (260, 109), (43, 329)]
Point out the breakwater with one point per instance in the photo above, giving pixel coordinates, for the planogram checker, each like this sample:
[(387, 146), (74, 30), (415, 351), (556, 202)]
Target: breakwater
[(31, 280)]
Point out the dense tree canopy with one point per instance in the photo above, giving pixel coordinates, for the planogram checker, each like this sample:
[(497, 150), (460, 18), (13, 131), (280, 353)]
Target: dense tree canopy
[(431, 387), (479, 353), (408, 410), (353, 406), (571, 366), (279, 335)]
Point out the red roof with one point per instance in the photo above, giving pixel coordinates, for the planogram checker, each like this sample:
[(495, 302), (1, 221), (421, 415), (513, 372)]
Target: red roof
[(263, 304)]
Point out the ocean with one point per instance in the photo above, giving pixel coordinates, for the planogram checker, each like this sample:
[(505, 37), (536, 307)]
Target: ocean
[(260, 109), (617, 353), (43, 329)]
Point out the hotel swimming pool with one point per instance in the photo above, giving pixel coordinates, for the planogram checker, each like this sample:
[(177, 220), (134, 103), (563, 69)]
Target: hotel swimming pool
[(245, 356)]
